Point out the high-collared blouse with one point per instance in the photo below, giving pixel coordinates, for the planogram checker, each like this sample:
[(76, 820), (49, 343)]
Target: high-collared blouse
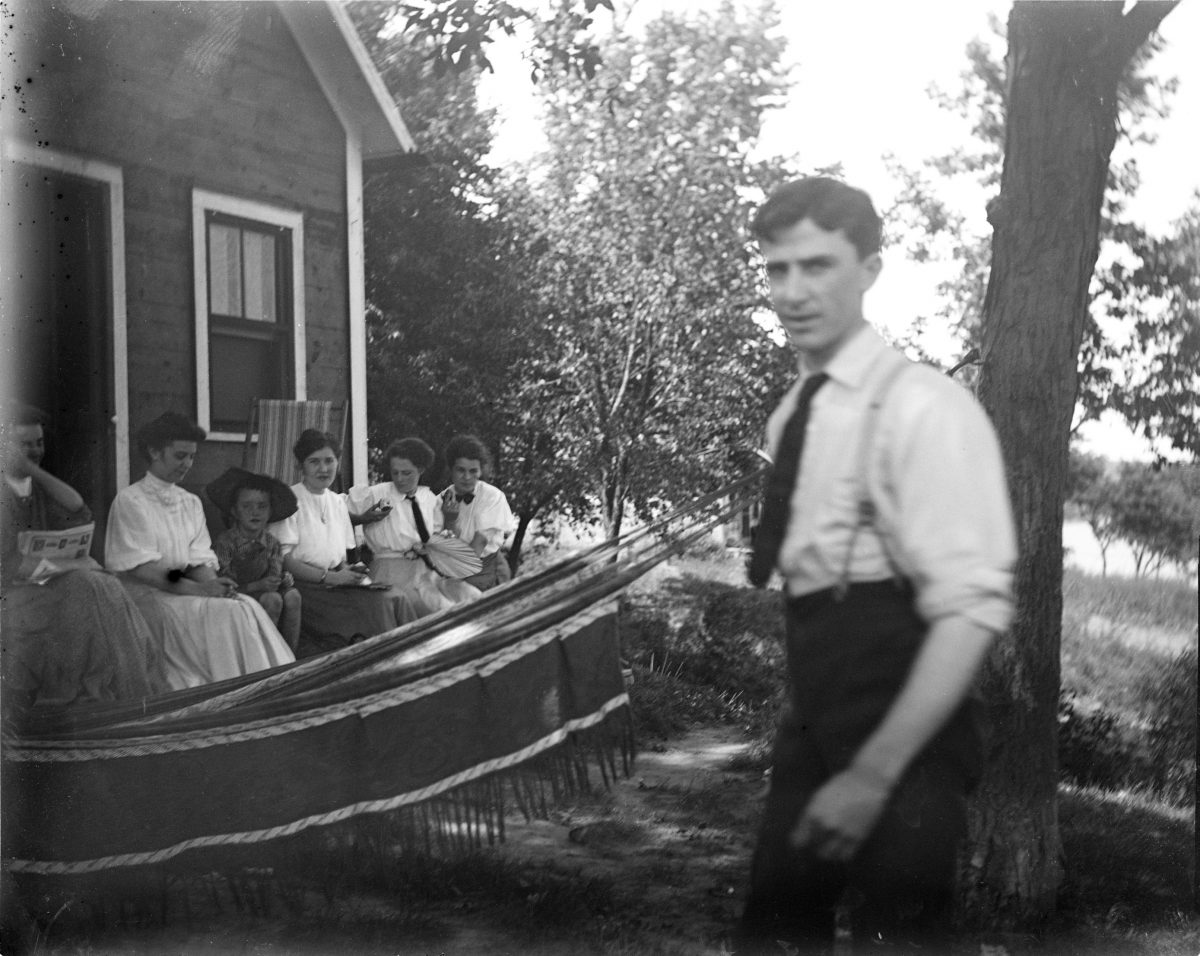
[(154, 520)]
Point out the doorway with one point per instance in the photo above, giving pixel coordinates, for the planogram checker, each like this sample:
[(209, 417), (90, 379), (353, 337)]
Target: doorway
[(57, 294)]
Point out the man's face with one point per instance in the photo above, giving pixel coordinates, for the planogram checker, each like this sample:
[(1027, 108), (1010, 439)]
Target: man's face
[(817, 283), (465, 473)]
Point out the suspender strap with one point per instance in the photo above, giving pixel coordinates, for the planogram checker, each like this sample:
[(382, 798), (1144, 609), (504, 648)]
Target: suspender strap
[(867, 511)]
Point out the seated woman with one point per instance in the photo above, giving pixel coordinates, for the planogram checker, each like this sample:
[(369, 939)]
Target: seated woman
[(318, 542), (412, 517), (78, 636), (158, 540), (476, 511)]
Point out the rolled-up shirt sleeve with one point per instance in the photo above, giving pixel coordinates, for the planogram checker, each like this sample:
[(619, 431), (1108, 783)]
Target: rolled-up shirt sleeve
[(952, 522)]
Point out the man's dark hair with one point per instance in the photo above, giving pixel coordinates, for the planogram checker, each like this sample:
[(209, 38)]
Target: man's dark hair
[(411, 449), (468, 447), (313, 439), (168, 427), (829, 203)]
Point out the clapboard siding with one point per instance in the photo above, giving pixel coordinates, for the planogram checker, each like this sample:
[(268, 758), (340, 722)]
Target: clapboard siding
[(214, 96)]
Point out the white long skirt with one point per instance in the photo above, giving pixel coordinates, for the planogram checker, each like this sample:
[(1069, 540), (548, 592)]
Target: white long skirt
[(428, 591), (207, 639)]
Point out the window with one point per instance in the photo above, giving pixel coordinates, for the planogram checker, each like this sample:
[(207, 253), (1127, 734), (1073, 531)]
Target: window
[(249, 308)]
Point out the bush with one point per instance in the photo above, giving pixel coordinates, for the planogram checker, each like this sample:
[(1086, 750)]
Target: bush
[(1169, 690), (721, 659)]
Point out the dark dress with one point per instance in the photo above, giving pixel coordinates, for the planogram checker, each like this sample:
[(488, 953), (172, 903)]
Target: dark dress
[(78, 637)]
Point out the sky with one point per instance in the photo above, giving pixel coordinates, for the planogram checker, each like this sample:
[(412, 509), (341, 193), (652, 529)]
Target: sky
[(862, 71)]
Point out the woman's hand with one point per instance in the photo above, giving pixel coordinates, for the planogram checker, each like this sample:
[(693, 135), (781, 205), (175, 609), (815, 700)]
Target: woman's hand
[(344, 575), (377, 512), (215, 587)]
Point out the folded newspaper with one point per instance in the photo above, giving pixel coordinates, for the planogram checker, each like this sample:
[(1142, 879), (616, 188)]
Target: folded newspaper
[(47, 554)]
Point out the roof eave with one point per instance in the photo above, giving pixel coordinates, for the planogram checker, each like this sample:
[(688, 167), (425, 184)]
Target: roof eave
[(343, 67)]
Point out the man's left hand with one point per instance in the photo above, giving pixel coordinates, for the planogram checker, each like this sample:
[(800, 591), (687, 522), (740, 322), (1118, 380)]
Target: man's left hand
[(841, 815)]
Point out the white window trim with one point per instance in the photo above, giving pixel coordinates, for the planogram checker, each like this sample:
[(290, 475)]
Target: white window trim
[(204, 202), (112, 178)]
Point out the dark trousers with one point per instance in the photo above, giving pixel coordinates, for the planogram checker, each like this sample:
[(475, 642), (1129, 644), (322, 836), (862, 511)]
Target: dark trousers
[(847, 660)]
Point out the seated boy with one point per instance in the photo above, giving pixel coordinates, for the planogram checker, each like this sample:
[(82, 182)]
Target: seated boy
[(251, 555)]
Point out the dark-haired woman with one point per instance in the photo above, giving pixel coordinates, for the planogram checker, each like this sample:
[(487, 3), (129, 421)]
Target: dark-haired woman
[(158, 539), (318, 541), (77, 636), (476, 511), (412, 518)]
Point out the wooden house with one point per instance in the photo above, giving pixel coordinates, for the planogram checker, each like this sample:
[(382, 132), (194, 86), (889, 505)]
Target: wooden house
[(182, 190)]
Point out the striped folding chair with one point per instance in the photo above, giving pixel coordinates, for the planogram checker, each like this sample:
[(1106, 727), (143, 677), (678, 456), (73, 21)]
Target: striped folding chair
[(273, 427)]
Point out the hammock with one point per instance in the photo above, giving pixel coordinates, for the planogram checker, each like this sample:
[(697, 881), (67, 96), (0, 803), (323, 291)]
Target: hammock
[(513, 696)]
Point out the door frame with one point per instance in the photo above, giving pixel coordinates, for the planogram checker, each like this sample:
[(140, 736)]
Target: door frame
[(112, 180)]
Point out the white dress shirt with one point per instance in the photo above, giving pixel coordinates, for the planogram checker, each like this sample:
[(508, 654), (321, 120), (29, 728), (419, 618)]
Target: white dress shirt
[(396, 534), (487, 513), (935, 475)]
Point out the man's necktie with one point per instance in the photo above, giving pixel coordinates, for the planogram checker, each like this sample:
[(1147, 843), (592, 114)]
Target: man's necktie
[(418, 518), (778, 495), (422, 528), (465, 499)]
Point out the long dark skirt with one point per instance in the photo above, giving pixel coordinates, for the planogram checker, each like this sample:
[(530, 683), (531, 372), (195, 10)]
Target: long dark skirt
[(334, 617)]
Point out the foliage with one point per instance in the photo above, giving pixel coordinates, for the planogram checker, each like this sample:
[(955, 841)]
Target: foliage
[(724, 661), (1127, 714), (649, 364), (1160, 299), (447, 309), (1141, 345), (456, 33), (1158, 513), (1094, 491)]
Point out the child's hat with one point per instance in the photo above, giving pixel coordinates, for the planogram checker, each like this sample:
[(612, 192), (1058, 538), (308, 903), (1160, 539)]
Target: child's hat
[(223, 492)]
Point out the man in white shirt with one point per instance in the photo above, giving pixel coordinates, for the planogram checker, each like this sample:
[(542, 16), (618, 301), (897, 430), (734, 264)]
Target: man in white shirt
[(892, 531)]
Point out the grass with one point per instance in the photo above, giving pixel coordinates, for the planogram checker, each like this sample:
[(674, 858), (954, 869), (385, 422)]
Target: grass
[(1127, 732)]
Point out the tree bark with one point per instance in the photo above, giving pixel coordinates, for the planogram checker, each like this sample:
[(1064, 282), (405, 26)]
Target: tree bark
[(1064, 64)]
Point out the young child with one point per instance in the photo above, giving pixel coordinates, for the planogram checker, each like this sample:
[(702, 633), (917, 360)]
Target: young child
[(251, 555)]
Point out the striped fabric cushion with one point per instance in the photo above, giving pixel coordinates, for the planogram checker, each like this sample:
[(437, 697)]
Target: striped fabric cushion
[(280, 423)]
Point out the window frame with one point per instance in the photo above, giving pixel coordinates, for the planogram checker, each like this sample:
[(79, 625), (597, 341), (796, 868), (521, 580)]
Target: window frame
[(252, 213)]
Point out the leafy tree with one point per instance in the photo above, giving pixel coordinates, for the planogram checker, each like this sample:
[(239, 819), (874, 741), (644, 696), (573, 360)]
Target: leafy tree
[(455, 34), (651, 365), (934, 230), (1095, 491), (1158, 512), (446, 303), (1160, 299), (1060, 128)]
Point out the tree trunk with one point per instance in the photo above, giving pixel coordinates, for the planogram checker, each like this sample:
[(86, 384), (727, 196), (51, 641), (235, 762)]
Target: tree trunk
[(518, 540), (1064, 63)]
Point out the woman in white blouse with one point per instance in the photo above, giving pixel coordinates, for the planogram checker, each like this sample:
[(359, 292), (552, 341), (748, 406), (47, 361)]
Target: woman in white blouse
[(413, 516), (475, 510), (158, 540), (318, 543)]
